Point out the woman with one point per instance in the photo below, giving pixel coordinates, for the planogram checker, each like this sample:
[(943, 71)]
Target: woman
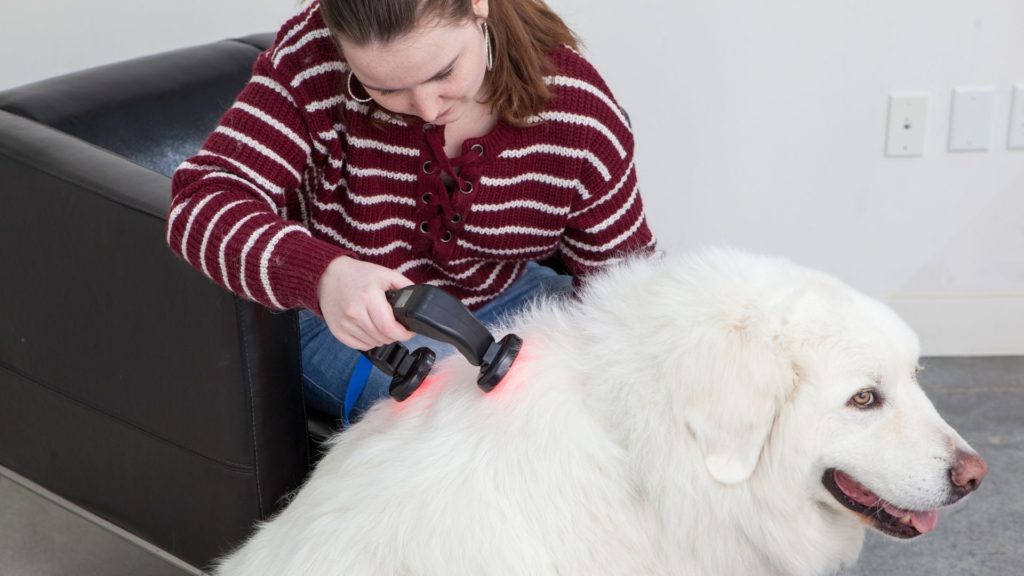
[(384, 143)]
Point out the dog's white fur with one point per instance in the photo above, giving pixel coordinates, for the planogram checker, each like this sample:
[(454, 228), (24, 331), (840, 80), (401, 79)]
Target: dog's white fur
[(677, 419)]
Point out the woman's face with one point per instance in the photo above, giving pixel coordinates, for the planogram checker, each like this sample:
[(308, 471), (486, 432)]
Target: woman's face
[(435, 72)]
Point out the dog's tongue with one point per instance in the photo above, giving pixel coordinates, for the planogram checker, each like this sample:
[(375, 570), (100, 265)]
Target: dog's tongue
[(854, 490), (922, 521), (925, 521)]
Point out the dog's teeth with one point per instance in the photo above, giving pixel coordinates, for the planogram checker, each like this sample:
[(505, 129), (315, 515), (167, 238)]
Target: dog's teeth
[(906, 519)]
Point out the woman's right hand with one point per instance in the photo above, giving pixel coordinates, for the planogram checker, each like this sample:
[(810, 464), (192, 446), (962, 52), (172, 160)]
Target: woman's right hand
[(354, 306)]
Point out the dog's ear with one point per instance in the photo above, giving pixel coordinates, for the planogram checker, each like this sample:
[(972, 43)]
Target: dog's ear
[(738, 384)]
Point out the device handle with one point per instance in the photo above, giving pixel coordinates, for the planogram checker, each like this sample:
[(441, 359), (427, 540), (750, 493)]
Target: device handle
[(431, 311)]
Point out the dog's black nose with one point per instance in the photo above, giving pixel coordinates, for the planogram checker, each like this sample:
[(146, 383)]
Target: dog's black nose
[(968, 471)]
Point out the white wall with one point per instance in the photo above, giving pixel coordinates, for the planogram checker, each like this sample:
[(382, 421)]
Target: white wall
[(760, 124), (40, 39)]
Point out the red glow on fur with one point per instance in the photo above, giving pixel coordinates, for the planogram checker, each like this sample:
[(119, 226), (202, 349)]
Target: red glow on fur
[(428, 384), (508, 385), (513, 380)]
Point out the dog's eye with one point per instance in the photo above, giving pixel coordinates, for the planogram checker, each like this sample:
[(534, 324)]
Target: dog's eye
[(864, 399)]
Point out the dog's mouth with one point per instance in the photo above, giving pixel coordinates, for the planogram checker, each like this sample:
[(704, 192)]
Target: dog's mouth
[(882, 515)]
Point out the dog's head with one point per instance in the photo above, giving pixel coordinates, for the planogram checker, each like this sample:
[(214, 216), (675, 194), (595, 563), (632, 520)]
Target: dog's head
[(796, 370), (882, 450)]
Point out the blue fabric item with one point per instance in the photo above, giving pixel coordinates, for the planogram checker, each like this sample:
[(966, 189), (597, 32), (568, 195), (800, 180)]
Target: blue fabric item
[(356, 384), (328, 366)]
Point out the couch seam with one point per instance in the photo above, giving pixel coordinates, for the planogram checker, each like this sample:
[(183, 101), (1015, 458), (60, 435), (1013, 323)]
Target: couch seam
[(243, 340)]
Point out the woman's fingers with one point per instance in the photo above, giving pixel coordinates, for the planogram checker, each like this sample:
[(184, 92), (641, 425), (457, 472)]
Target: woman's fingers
[(354, 336), (354, 303)]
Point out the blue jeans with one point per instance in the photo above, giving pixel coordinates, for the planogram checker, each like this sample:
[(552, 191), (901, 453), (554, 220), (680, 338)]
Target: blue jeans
[(327, 364)]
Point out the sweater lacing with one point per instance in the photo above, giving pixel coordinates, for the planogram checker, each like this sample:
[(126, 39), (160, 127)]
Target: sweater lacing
[(441, 208)]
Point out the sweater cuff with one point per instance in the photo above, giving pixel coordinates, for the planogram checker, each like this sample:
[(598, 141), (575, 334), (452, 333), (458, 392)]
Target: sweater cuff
[(299, 265)]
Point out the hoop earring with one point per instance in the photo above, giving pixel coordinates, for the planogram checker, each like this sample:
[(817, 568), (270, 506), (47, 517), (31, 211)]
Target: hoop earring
[(352, 94), (487, 44)]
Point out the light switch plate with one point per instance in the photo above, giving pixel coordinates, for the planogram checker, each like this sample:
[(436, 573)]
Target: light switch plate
[(970, 124), (1016, 138), (908, 121)]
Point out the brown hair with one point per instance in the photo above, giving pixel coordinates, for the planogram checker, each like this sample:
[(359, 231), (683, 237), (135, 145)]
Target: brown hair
[(523, 33)]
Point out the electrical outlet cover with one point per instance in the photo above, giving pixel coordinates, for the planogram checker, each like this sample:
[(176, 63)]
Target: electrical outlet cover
[(1016, 138), (908, 120), (970, 126)]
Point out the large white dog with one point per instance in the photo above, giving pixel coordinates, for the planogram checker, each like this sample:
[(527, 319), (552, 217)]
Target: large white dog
[(722, 414)]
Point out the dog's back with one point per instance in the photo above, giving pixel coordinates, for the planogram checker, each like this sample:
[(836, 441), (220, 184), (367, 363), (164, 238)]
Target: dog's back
[(521, 481)]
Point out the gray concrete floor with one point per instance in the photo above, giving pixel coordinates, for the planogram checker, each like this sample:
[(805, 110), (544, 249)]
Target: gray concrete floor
[(43, 535), (983, 398)]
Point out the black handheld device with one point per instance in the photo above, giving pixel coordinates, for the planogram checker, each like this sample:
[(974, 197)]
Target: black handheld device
[(431, 311)]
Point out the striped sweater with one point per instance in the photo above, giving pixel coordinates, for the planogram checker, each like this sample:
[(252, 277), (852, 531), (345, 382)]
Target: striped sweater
[(296, 175)]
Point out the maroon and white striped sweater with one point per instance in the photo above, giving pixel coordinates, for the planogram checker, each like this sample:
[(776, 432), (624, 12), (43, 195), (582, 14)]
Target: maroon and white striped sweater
[(296, 175)]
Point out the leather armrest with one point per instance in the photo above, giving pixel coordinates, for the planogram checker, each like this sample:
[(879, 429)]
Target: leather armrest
[(47, 151)]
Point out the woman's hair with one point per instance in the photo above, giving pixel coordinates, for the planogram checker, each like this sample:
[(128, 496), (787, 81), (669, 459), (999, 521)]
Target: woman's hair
[(523, 33)]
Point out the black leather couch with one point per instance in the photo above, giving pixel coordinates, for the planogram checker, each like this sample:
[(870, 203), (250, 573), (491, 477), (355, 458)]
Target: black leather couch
[(130, 384)]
